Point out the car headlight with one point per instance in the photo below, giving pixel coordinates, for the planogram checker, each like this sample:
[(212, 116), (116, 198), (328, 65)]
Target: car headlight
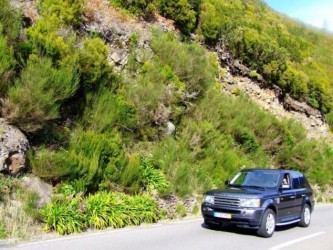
[(249, 202), (209, 199)]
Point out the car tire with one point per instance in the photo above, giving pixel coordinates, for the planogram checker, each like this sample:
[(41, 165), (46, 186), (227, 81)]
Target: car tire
[(267, 226), (212, 225), (305, 216)]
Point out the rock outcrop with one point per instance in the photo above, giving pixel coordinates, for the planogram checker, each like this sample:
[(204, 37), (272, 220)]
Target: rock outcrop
[(270, 99), (13, 147), (170, 202)]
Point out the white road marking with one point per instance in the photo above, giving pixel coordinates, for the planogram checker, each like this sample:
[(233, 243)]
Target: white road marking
[(288, 243)]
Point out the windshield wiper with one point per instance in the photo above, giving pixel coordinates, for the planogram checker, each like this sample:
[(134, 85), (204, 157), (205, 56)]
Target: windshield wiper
[(255, 187)]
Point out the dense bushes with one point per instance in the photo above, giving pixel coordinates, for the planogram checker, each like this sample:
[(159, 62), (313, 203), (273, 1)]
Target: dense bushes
[(10, 21), (189, 62), (69, 215), (137, 7), (142, 175), (7, 61), (37, 95), (93, 62), (9, 35), (89, 159), (221, 136), (49, 37), (163, 86), (181, 11), (109, 111), (67, 11), (282, 53)]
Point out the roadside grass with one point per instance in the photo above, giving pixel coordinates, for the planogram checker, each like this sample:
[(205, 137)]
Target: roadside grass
[(17, 225)]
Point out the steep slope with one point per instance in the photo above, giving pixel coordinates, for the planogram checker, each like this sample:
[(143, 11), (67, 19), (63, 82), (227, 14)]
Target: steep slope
[(114, 99)]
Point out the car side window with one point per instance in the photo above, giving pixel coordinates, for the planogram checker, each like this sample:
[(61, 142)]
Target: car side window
[(295, 180), (286, 181), (303, 181)]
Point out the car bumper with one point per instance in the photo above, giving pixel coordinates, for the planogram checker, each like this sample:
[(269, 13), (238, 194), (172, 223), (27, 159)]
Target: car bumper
[(242, 217)]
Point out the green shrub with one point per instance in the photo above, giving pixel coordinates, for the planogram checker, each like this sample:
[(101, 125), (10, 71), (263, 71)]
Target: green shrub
[(7, 62), (93, 62), (161, 87), (329, 120), (163, 213), (92, 154), (10, 22), (48, 37), (3, 233), (196, 210), (247, 140), (130, 174), (145, 208), (36, 97), (209, 24), (66, 189), (101, 210), (294, 82), (89, 159), (181, 11), (111, 111), (64, 215), (137, 7), (49, 164), (180, 210), (140, 174), (6, 185), (66, 11), (152, 177), (189, 62)]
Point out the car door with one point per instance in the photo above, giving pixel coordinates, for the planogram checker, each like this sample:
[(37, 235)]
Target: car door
[(299, 193), (287, 201)]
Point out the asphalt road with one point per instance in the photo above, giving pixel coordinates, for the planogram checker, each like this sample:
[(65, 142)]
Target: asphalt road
[(192, 234)]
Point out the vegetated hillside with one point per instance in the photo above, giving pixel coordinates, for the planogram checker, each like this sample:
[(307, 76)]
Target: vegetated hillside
[(96, 130)]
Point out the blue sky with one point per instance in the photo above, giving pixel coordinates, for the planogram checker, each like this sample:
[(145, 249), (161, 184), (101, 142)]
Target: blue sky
[(318, 13)]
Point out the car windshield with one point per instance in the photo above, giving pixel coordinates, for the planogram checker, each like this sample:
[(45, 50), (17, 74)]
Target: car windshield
[(256, 179)]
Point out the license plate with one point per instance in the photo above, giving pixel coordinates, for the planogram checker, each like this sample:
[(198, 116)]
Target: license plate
[(222, 215)]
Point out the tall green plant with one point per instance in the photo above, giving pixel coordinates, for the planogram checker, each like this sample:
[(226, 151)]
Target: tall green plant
[(10, 21), (66, 11), (7, 60), (181, 11), (37, 96), (93, 62)]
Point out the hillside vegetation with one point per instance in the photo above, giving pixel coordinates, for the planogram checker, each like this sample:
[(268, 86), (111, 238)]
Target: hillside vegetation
[(96, 131)]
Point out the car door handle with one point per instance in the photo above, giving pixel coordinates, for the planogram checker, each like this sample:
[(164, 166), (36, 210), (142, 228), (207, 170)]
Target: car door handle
[(292, 196), (303, 195)]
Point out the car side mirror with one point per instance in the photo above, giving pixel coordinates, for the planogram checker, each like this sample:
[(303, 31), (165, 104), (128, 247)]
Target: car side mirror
[(227, 183)]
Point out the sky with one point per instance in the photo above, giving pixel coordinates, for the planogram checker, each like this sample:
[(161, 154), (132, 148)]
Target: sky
[(318, 13)]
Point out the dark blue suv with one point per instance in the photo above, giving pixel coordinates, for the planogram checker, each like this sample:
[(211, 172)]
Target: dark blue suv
[(261, 199)]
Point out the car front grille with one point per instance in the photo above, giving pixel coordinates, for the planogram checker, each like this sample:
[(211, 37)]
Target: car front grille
[(226, 201)]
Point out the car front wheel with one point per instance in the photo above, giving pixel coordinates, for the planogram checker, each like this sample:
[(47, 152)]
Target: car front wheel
[(267, 226), (305, 216)]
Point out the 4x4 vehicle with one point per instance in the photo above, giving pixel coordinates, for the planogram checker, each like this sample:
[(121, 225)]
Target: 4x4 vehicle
[(261, 199)]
